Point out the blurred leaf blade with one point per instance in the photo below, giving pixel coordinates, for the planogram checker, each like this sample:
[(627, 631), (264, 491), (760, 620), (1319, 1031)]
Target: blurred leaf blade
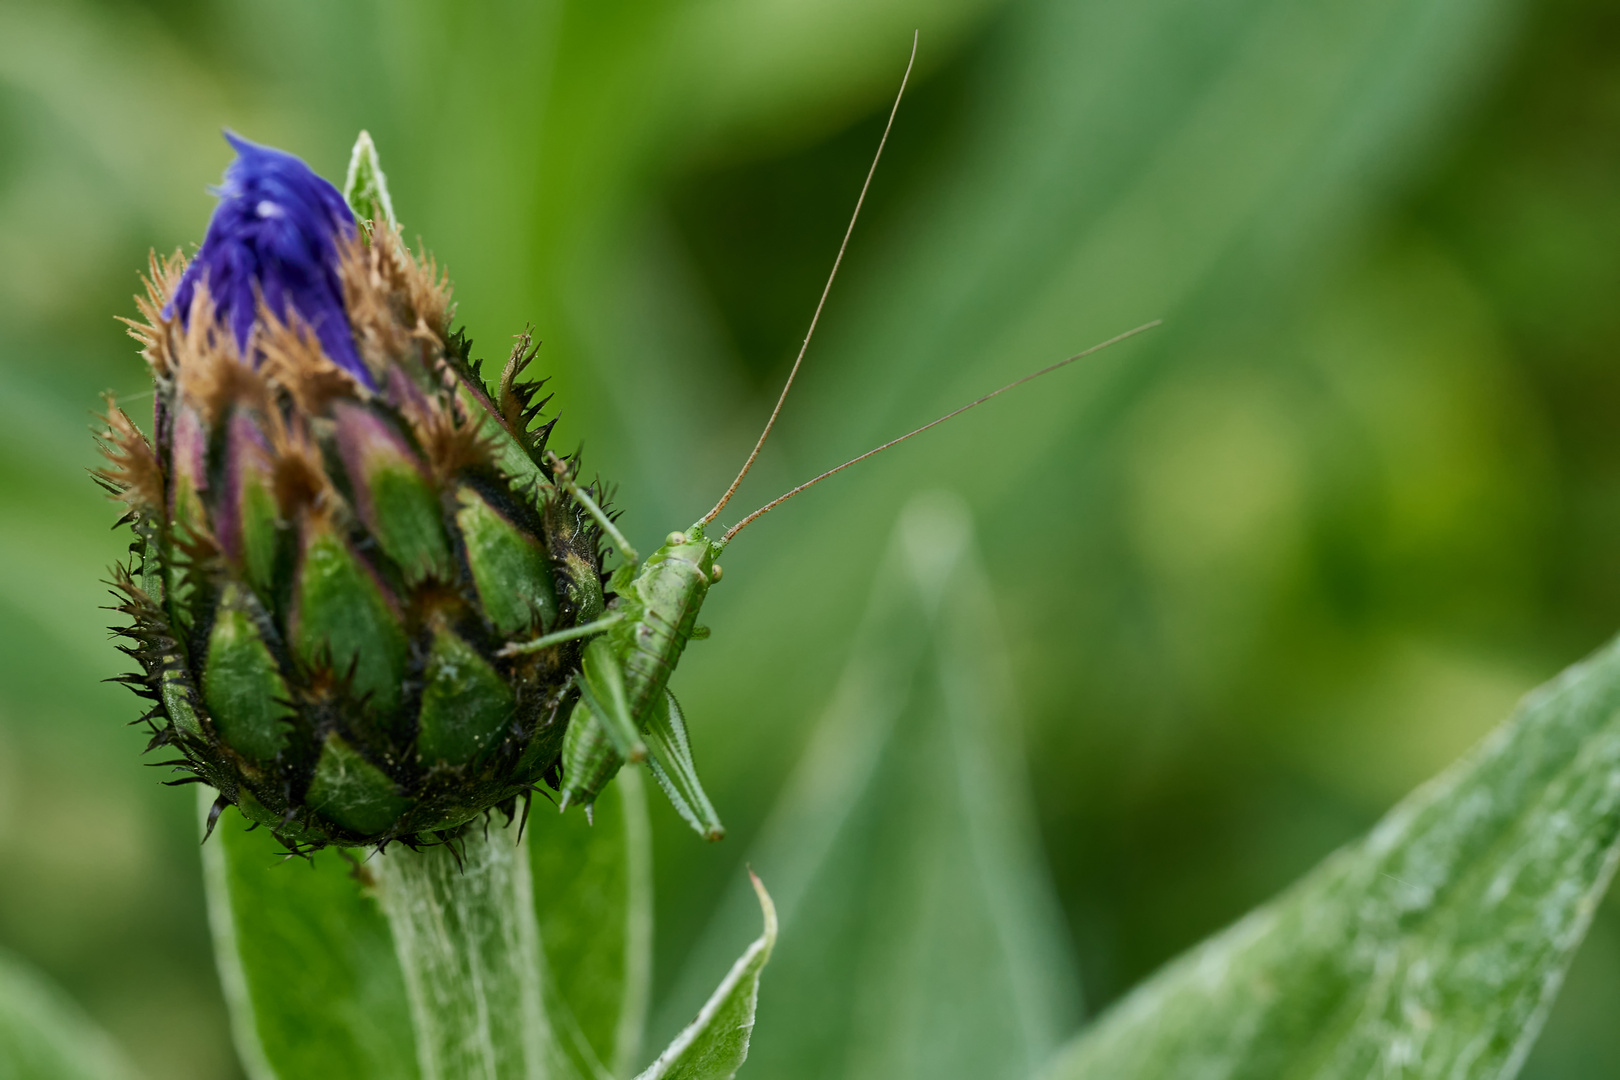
[(1434, 947), (593, 901), (1272, 125), (44, 1036), (715, 1044), (758, 72), (921, 935)]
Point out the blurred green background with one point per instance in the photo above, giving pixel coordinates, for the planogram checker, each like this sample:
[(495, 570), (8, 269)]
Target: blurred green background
[(1261, 573)]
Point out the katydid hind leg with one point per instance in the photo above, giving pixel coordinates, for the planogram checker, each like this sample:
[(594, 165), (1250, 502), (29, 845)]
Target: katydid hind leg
[(670, 757), (589, 759), (601, 685)]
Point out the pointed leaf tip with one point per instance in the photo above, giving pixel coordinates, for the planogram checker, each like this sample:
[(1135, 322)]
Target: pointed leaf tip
[(714, 1046), (767, 908), (365, 188)]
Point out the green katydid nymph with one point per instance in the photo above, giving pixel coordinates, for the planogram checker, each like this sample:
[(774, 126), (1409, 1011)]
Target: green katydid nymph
[(626, 712)]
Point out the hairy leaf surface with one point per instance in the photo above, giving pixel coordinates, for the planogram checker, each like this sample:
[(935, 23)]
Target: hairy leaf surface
[(462, 917), (1433, 948)]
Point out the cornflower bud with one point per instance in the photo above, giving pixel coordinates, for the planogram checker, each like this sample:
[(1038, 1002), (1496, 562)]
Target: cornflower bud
[(338, 528)]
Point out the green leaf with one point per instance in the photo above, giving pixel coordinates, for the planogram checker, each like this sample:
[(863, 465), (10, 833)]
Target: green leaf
[(714, 1045), (44, 1035), (306, 960), (922, 937), (593, 900), (1433, 948)]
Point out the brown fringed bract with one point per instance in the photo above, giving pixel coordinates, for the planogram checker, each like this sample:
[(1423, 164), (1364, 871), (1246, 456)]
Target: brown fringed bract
[(152, 329), (132, 472), (291, 358)]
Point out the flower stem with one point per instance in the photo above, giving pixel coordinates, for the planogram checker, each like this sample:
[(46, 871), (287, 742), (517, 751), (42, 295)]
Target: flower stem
[(465, 933)]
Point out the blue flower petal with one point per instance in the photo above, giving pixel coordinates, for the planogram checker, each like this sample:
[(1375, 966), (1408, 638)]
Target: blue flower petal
[(275, 232)]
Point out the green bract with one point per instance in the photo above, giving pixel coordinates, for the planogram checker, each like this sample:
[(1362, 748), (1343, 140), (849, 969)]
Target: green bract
[(327, 566)]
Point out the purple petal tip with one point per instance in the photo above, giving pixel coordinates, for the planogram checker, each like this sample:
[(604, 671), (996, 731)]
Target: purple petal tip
[(275, 234)]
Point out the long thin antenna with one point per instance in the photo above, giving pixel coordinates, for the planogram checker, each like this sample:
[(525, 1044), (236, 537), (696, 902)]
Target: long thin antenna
[(814, 319), (780, 499)]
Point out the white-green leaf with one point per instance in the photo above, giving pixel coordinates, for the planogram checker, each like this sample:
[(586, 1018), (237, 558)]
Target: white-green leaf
[(922, 938), (44, 1035), (593, 899), (1433, 948), (714, 1045)]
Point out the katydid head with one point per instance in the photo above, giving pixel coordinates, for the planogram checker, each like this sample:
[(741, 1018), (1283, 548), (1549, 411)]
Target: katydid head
[(691, 546)]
